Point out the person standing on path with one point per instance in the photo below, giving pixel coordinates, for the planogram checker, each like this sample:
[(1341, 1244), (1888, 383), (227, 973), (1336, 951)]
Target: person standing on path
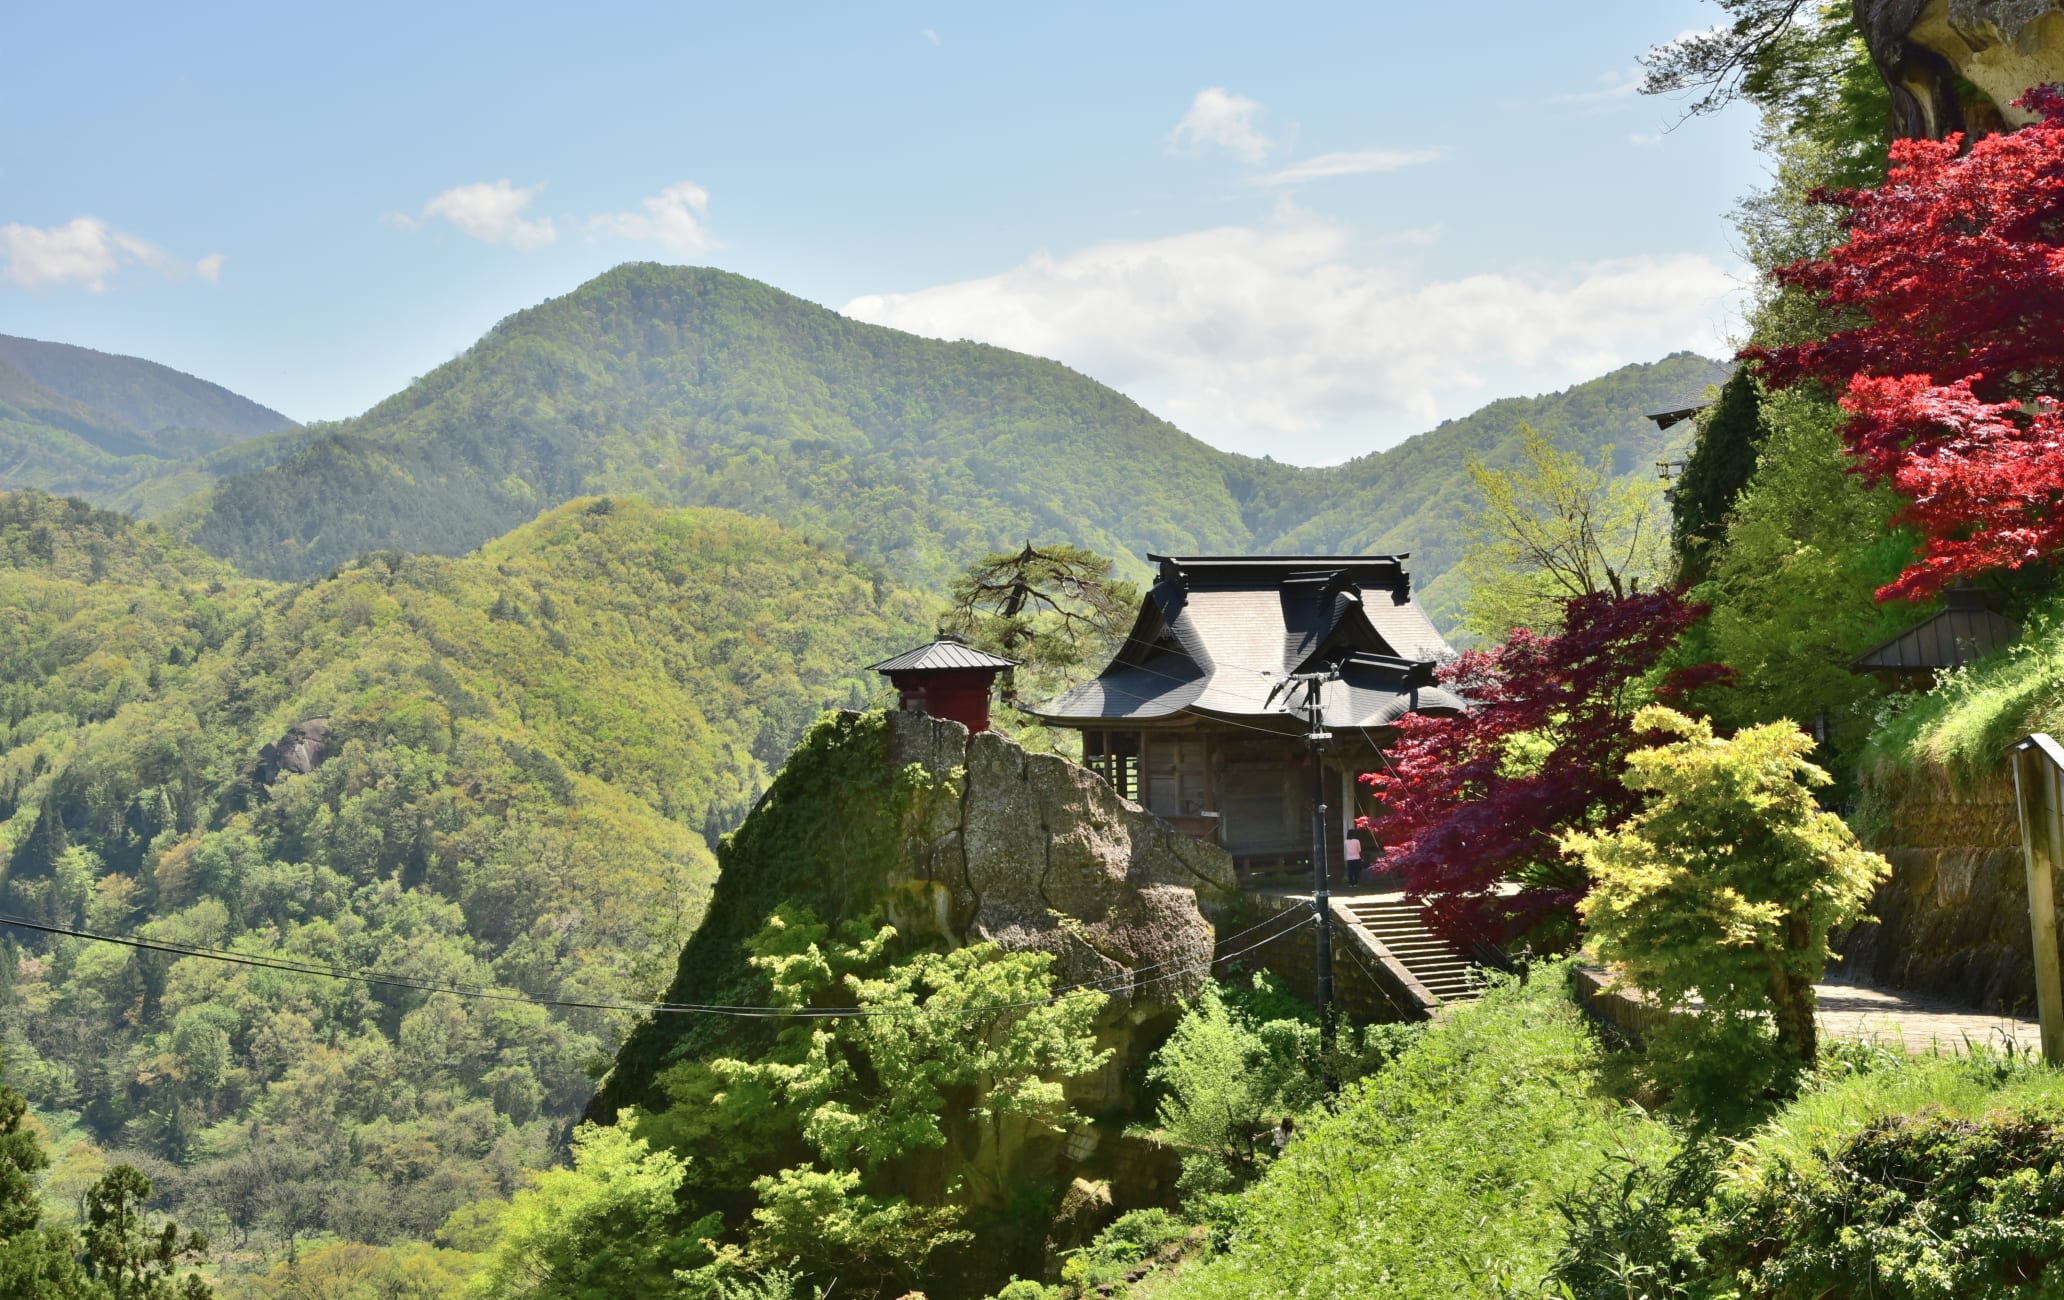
[(1352, 849)]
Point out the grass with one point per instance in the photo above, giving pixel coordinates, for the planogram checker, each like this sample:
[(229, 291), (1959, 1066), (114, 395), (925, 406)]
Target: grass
[(1440, 1175), (1446, 1174), (1966, 723), (1846, 1101)]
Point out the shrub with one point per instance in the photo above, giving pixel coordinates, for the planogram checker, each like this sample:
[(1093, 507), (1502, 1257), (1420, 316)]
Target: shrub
[(1913, 1206), (1724, 887)]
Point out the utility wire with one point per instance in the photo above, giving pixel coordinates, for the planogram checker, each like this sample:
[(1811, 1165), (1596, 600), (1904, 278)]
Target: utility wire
[(1103, 987)]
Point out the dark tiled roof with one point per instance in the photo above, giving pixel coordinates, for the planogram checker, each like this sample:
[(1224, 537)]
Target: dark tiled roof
[(944, 653), (1218, 635), (1965, 630)]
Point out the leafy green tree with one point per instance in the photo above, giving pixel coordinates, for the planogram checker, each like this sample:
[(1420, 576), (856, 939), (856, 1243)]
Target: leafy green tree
[(607, 1227), (1058, 610), (1552, 528), (35, 1263), (1791, 589), (126, 1255), (1052, 608), (1224, 1081), (940, 1071), (1725, 885)]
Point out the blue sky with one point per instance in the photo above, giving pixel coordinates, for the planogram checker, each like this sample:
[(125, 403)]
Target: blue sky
[(1308, 231)]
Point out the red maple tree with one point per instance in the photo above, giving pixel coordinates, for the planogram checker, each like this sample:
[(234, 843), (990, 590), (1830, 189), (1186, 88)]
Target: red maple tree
[(1952, 370), (1478, 799)]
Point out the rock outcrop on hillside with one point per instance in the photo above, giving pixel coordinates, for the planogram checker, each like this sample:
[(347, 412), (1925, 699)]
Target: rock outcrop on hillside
[(954, 839), (2001, 47)]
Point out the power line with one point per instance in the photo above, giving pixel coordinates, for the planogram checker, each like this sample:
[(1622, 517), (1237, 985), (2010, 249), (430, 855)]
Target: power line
[(1103, 987)]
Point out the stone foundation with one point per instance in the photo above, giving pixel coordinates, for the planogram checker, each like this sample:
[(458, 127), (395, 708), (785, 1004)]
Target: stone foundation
[(1953, 919)]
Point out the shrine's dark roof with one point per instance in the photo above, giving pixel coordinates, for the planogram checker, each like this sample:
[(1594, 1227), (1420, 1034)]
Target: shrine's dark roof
[(1219, 636), (947, 653), (1965, 630)]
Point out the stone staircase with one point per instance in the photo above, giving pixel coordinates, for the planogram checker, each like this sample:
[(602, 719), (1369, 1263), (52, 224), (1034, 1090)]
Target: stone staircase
[(1391, 927)]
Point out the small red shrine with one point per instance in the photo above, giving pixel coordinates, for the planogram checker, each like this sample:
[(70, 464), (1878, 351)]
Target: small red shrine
[(947, 679)]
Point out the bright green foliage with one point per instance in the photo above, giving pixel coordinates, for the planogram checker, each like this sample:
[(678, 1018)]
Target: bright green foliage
[(1242, 1057), (527, 753), (1554, 527), (1888, 1175), (1923, 1207), (1438, 1176), (1726, 884), (1973, 714), (1225, 1080), (1132, 1239), (828, 1122), (1792, 589), (1723, 455), (352, 1270), (607, 1227), (838, 1232)]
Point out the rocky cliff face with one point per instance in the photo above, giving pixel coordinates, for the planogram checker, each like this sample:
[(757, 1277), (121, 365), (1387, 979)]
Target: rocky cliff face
[(955, 839), (2000, 47)]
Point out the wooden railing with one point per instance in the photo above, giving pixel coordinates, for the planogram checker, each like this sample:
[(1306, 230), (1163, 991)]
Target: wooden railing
[(2039, 792)]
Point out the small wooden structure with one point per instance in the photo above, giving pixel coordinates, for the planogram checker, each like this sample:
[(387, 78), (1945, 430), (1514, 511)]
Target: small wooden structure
[(1195, 716), (1966, 629), (947, 679)]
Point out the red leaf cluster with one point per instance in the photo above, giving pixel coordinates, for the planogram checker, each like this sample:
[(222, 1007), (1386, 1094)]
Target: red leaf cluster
[(1954, 275), (1462, 815)]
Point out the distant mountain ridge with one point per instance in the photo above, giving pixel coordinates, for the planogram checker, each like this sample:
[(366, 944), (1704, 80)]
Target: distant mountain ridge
[(165, 412), (694, 386), (120, 431)]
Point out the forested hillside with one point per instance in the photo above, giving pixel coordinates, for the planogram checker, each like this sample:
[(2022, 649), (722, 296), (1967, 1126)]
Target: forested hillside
[(117, 430), (169, 411), (695, 386), (495, 770)]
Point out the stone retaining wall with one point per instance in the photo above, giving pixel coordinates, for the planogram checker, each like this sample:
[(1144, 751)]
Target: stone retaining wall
[(1953, 919)]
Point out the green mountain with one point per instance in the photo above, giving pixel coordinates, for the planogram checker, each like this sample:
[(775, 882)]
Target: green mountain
[(698, 387), (501, 769), (162, 411), (120, 431)]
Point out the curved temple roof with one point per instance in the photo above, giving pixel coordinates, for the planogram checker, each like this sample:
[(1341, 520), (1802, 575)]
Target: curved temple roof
[(1221, 635)]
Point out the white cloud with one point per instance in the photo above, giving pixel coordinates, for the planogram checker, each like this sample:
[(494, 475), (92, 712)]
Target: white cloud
[(1610, 87), (672, 218), (1351, 163), (1645, 138), (1274, 338), (1220, 119), (491, 212), (87, 251), (931, 35)]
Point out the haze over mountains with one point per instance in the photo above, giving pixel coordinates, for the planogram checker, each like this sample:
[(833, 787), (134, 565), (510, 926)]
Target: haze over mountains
[(693, 386)]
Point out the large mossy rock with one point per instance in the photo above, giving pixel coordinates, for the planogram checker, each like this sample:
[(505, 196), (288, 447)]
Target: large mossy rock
[(954, 839), (1935, 53)]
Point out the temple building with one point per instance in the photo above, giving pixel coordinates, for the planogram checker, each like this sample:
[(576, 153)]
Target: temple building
[(1198, 718)]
